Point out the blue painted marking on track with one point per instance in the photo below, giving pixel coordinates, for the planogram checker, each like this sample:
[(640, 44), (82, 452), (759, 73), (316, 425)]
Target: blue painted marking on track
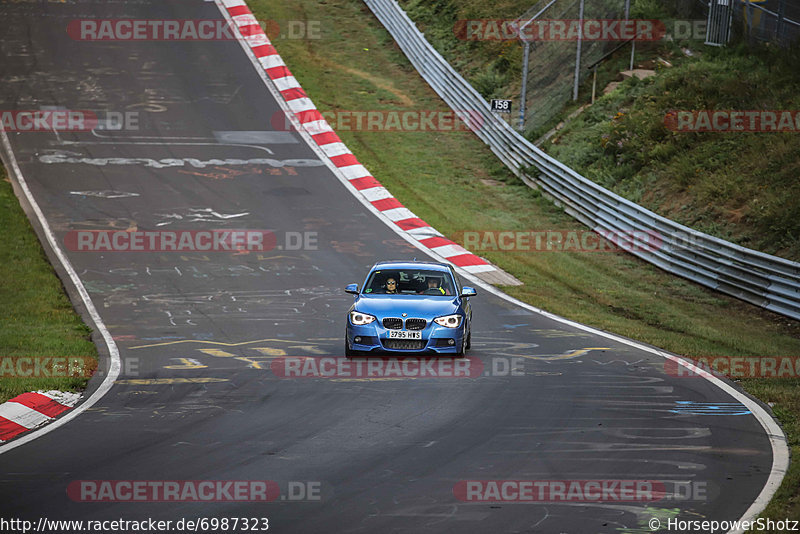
[(709, 408)]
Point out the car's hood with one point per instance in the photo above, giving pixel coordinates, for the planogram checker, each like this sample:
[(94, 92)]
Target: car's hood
[(414, 305)]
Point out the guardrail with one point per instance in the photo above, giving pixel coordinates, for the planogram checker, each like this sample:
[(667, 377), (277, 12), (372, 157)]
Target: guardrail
[(761, 279)]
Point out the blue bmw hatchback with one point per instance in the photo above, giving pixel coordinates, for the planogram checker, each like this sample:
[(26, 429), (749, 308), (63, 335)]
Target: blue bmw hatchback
[(410, 307)]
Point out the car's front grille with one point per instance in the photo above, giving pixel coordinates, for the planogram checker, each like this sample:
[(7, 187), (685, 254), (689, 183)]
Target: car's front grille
[(415, 324), (393, 323), (404, 344)]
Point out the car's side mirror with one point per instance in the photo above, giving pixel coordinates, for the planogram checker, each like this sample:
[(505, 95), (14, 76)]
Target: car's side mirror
[(468, 291), (351, 288)]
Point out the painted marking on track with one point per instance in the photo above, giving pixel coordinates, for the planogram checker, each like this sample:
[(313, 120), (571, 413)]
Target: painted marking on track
[(554, 333), (567, 356), (222, 354), (618, 361), (105, 194), (709, 408), (220, 343), (164, 381), (269, 351), (127, 225), (253, 363), (186, 363), (217, 352), (266, 352), (197, 215), (178, 162)]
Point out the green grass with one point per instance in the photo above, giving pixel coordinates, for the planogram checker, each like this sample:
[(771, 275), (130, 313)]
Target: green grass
[(739, 186), (456, 184), (38, 319)]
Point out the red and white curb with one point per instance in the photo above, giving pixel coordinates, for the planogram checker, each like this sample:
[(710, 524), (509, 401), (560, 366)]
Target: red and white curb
[(31, 410), (332, 146)]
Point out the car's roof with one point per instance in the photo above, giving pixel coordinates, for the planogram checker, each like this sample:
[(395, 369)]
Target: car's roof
[(405, 264)]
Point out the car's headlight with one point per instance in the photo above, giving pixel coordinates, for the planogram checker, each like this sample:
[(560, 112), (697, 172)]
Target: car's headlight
[(450, 321), (358, 318)]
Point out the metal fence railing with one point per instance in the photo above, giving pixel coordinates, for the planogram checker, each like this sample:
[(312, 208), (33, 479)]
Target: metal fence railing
[(775, 21), (767, 281), (550, 81)]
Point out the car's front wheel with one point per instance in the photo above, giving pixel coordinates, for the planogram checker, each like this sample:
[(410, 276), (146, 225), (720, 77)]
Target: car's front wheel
[(348, 352), (462, 348)]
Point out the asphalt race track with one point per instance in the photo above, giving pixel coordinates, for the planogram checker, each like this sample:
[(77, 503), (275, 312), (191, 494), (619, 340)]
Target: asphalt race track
[(197, 398)]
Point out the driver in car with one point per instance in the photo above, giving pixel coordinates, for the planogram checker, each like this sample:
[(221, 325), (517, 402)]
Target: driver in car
[(433, 287), (391, 286)]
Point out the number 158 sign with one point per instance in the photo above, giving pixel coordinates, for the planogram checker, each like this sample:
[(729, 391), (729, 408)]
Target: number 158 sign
[(501, 106)]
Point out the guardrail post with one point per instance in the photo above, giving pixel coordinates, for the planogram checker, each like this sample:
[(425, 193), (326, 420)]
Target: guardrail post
[(578, 54), (524, 91), (781, 15)]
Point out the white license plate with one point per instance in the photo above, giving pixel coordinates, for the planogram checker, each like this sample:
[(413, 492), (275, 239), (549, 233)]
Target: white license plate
[(404, 334)]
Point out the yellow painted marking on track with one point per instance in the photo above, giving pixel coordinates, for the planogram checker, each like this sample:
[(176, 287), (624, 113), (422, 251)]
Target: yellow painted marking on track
[(269, 351), (217, 352), (553, 333), (254, 364), (186, 363), (163, 381), (222, 354), (220, 343), (568, 356)]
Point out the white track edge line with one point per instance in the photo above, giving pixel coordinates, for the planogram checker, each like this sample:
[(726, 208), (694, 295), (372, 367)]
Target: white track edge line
[(113, 351), (778, 442)]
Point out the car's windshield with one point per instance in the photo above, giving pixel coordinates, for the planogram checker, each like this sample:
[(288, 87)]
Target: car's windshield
[(410, 282)]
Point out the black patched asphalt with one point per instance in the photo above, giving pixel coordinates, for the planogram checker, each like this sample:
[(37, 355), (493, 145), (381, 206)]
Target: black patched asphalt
[(387, 454)]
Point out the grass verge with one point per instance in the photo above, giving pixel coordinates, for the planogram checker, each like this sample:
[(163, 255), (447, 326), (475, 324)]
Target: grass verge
[(455, 183), (738, 186), (39, 323)]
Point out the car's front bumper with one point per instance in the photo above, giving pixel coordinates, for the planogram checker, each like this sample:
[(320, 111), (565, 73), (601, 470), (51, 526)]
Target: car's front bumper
[(435, 339)]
